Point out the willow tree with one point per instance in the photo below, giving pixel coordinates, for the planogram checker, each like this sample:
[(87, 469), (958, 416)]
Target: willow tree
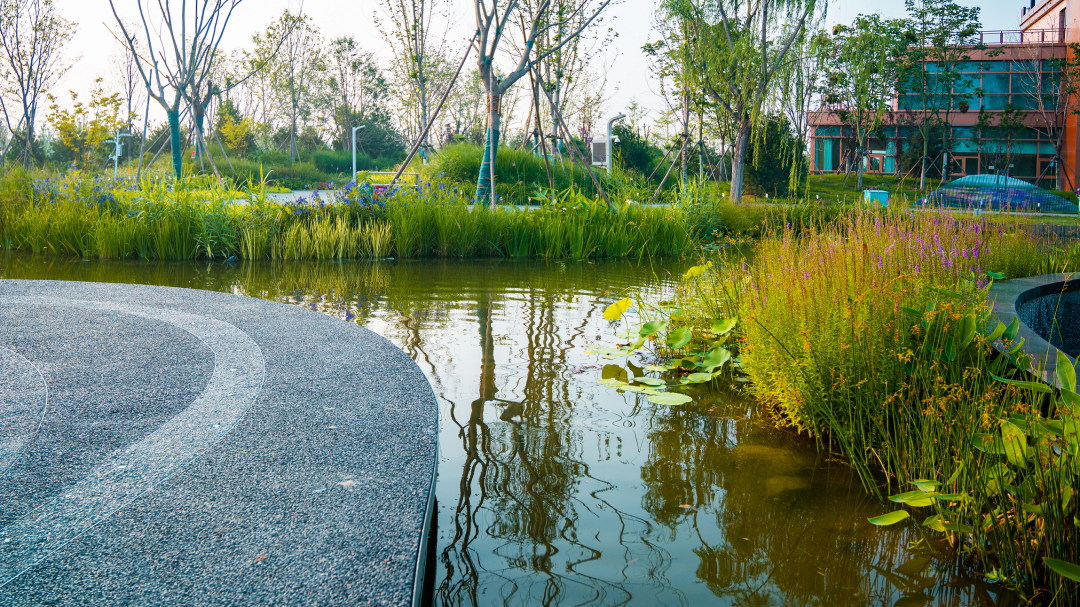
[(738, 53), (492, 22), (176, 53)]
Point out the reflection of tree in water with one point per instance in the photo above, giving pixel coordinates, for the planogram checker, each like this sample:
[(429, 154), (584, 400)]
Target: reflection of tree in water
[(528, 468), (522, 482)]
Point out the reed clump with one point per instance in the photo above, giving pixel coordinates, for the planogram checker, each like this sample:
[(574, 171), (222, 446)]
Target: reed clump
[(201, 218), (872, 334)]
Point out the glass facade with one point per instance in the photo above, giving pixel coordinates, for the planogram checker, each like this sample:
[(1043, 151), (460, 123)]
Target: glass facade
[(1025, 152)]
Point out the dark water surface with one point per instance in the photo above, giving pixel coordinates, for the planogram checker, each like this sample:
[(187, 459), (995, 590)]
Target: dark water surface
[(553, 490)]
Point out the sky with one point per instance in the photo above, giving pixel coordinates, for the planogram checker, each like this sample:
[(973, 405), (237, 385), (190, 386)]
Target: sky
[(628, 77)]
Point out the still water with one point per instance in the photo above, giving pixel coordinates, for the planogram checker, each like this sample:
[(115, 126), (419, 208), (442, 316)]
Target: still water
[(553, 490)]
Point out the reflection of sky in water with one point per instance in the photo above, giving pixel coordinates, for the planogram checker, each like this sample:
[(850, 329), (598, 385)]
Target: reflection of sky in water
[(553, 490)]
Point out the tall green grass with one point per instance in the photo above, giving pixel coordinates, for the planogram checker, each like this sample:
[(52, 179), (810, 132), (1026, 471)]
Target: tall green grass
[(201, 218), (871, 334)]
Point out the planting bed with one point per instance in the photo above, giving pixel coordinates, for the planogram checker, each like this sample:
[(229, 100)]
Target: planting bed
[(169, 446)]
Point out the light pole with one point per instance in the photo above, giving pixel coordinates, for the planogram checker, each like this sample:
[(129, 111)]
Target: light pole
[(118, 148), (609, 123), (354, 129)]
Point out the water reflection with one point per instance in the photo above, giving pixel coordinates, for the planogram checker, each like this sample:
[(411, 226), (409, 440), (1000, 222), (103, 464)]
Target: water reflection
[(556, 491)]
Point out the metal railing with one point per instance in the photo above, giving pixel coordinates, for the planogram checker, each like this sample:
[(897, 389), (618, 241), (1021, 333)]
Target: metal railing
[(1043, 36)]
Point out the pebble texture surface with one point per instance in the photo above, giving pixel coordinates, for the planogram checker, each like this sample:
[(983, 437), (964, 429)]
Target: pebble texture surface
[(168, 446)]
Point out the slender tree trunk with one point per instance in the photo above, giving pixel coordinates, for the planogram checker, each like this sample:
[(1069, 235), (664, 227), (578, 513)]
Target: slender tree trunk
[(423, 114), (738, 161), (491, 146), (177, 145)]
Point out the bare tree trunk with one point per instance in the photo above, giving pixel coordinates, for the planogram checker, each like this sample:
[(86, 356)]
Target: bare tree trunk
[(738, 161)]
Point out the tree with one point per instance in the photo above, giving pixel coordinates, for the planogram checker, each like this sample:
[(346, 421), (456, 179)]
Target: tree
[(738, 59), (798, 94), (298, 69), (32, 36), (861, 78), (492, 23), (183, 45), (410, 39), (939, 36), (358, 88), (85, 126)]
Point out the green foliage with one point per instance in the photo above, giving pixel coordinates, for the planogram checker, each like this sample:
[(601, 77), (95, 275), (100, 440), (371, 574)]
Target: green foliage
[(201, 218), (771, 157), (871, 333)]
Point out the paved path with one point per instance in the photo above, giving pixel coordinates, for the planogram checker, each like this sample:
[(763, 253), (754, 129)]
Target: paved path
[(167, 446)]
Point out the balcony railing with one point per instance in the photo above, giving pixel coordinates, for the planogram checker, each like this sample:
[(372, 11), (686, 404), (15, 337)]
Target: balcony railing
[(1047, 36)]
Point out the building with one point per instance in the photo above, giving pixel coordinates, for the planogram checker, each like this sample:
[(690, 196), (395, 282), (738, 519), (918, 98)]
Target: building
[(1019, 130)]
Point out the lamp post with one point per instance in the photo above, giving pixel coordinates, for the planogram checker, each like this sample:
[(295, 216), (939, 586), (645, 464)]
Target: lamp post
[(609, 124), (118, 148), (355, 128)]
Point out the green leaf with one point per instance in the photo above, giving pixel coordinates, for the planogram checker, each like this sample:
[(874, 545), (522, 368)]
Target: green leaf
[(616, 310), (1015, 442), (1066, 374), (958, 527), (948, 293), (996, 275), (670, 399), (996, 334), (915, 313), (950, 349), (652, 328), (723, 327), (967, 331), (1072, 399), (927, 486), (904, 498), (1063, 568), (934, 522), (659, 368), (1012, 329), (679, 338), (696, 271), (889, 519), (650, 381), (715, 358), (699, 378), (611, 383), (1029, 385)]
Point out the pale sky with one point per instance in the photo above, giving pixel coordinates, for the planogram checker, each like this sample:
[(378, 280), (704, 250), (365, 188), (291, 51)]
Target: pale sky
[(628, 79)]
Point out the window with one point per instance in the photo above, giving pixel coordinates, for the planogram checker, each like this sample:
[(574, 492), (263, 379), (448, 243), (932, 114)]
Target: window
[(995, 102), (993, 84)]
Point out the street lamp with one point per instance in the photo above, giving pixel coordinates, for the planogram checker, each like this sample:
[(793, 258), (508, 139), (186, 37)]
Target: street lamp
[(609, 123), (355, 128), (118, 148)]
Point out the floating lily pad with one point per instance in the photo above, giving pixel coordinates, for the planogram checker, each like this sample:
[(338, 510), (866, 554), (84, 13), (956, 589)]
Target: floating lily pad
[(670, 399)]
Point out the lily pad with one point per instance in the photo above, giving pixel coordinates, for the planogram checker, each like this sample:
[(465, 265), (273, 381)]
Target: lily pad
[(699, 378), (670, 399), (650, 381)]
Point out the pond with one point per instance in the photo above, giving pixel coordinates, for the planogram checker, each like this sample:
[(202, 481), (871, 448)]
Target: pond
[(553, 490)]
